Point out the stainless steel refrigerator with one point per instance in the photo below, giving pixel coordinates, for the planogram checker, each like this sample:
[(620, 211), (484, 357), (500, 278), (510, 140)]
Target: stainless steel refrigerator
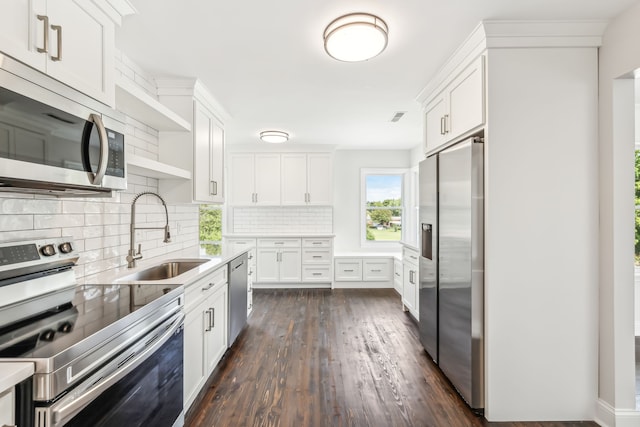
[(452, 265)]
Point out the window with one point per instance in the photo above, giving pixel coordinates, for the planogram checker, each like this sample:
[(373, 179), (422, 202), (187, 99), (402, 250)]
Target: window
[(211, 229), (382, 206)]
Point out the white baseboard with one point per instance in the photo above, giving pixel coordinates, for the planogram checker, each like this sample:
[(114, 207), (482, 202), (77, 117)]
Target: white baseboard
[(292, 285), (608, 416), (362, 285)]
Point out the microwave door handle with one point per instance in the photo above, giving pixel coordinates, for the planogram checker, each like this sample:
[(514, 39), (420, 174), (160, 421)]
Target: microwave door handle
[(104, 149)]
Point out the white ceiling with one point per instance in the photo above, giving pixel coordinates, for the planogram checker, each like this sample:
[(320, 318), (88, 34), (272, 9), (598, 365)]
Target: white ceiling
[(264, 60)]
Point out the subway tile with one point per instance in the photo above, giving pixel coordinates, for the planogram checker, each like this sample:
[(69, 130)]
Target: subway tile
[(29, 206), (54, 221)]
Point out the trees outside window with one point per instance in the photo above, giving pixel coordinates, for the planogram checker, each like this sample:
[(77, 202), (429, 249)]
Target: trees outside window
[(211, 229), (382, 205)]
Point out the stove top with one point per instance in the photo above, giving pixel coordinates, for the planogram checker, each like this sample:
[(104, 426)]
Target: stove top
[(93, 308)]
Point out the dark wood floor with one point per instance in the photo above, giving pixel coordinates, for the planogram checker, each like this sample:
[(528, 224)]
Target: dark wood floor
[(317, 358)]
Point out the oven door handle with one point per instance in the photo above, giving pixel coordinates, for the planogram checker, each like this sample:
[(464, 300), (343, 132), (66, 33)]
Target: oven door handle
[(70, 405)]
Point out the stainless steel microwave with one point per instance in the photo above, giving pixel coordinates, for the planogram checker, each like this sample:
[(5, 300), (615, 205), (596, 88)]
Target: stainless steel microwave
[(63, 150)]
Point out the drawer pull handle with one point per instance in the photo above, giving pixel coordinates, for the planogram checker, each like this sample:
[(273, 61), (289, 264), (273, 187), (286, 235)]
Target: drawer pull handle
[(317, 274), (208, 287), (376, 271), (278, 243), (348, 271), (317, 256), (316, 243)]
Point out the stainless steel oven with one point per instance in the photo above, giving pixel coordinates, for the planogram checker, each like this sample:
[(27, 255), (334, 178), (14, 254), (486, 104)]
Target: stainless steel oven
[(108, 355)]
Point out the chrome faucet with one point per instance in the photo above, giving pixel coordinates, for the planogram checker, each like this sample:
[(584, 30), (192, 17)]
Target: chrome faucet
[(133, 255)]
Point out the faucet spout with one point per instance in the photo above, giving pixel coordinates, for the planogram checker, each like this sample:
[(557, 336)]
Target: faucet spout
[(132, 255)]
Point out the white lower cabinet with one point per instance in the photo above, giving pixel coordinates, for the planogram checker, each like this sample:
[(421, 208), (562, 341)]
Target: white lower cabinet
[(397, 275), (410, 281), (205, 330), (7, 405), (364, 272), (279, 260)]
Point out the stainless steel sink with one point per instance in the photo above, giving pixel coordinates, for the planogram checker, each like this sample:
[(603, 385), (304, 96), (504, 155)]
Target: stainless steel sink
[(166, 270)]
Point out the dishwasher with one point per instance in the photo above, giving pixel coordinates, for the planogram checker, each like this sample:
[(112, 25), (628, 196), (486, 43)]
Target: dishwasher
[(237, 296)]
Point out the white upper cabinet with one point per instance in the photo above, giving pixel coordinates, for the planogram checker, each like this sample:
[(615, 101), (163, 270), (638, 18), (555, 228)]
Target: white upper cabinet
[(200, 151), (71, 41), (291, 179), (457, 109), (319, 179), (306, 179), (254, 179)]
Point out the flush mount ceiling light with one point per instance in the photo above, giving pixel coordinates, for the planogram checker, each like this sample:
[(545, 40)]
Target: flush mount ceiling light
[(274, 136), (355, 37)]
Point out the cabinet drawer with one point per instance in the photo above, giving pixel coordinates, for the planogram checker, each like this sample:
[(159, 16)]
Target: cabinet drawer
[(378, 270), (409, 255), (200, 289), (348, 270), (316, 256), (316, 243), (279, 243), (316, 273)]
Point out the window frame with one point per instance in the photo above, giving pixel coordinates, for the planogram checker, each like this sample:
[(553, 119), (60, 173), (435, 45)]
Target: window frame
[(381, 244)]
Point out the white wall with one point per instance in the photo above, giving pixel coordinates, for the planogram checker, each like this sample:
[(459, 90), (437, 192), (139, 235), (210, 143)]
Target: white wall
[(100, 226), (619, 55), (541, 203), (346, 191)]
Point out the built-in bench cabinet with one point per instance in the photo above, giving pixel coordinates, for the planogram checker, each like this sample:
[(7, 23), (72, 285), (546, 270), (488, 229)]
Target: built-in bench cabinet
[(363, 271), (280, 179), (205, 330), (71, 41), (410, 281)]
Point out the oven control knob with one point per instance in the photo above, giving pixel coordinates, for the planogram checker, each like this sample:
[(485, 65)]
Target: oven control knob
[(65, 327), (47, 335), (48, 250), (65, 247)]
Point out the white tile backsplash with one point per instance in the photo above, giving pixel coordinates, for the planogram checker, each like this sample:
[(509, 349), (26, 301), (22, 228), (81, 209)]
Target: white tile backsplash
[(100, 226), (282, 219)]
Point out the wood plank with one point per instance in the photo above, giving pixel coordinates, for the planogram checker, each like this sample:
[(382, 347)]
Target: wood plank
[(342, 357)]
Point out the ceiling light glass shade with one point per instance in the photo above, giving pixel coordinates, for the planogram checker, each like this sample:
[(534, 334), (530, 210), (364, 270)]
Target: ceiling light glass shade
[(274, 136), (355, 37)]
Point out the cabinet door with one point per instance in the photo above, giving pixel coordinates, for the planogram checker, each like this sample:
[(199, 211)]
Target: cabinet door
[(202, 142), (241, 173), (319, 179), (290, 265), (267, 265), (434, 122), (293, 178), (216, 328), (194, 336), (409, 287), (216, 167), (7, 407), (376, 270), (81, 50), (267, 179), (466, 100), (21, 33)]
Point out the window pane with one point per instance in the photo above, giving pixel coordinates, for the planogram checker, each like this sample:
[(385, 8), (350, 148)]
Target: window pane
[(210, 229), (384, 207), (384, 224), (384, 190)]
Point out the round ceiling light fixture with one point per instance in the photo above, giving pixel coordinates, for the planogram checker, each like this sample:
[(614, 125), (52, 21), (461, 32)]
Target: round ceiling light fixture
[(355, 37), (274, 136)]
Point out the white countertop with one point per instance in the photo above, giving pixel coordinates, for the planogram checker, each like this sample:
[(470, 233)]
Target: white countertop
[(11, 373), (117, 275), (272, 235), (365, 254)]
